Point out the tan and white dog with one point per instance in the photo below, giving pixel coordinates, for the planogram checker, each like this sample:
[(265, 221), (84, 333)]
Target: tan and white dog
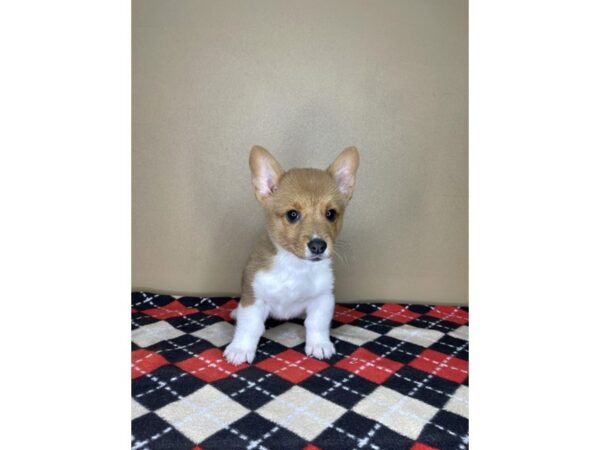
[(289, 272)]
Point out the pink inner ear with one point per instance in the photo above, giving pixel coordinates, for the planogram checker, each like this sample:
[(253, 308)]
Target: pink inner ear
[(267, 183), (271, 185), (342, 178)]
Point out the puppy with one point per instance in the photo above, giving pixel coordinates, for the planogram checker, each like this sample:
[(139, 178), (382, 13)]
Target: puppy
[(289, 272)]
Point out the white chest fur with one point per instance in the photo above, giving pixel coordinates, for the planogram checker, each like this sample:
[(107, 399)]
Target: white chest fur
[(289, 285)]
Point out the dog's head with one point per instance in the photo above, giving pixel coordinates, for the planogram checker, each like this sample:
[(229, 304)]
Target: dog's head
[(304, 207)]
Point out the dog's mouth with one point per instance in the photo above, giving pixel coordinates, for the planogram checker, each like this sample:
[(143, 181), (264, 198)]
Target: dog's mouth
[(316, 258)]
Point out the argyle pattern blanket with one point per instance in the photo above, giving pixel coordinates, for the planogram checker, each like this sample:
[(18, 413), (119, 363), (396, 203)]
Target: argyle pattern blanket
[(398, 380)]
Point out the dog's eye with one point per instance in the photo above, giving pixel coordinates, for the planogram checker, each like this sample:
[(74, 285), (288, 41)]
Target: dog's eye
[(331, 214), (292, 215)]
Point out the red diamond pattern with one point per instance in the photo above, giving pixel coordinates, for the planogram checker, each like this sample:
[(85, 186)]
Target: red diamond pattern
[(369, 365), (144, 361), (419, 446), (224, 311), (346, 315), (442, 365), (292, 365), (173, 309), (209, 365), (396, 313), (450, 313)]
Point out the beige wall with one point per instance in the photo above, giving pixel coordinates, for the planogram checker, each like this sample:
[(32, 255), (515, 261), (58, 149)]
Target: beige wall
[(304, 79)]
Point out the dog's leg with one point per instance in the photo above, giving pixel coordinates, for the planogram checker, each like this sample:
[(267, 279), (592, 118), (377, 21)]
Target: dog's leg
[(249, 327), (318, 320)]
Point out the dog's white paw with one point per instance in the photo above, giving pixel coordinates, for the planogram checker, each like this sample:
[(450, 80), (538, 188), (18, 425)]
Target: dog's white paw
[(237, 354), (320, 349)]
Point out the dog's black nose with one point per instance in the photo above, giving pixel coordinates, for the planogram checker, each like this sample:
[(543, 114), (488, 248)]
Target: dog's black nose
[(317, 246)]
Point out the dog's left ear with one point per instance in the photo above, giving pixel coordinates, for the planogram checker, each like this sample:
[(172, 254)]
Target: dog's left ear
[(343, 169)]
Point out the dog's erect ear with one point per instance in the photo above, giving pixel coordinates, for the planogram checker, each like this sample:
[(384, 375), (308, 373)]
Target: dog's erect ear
[(266, 172), (343, 169)]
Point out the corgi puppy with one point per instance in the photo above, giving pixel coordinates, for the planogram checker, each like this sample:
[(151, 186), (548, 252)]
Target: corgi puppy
[(289, 272)]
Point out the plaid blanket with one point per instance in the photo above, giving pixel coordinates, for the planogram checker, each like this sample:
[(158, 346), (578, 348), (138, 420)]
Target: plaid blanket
[(398, 380)]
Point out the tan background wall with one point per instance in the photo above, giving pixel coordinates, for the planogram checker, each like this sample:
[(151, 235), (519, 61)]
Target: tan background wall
[(304, 79)]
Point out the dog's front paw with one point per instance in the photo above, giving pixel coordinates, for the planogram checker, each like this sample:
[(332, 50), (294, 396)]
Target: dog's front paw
[(237, 354), (320, 349)]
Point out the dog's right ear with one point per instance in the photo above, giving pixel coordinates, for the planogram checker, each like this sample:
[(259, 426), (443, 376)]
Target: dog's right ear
[(266, 173)]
